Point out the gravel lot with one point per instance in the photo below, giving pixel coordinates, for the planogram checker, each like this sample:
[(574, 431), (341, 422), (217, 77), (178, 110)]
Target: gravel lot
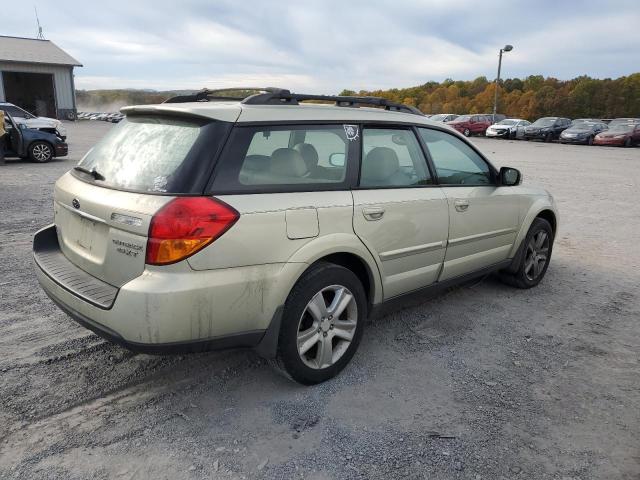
[(482, 382)]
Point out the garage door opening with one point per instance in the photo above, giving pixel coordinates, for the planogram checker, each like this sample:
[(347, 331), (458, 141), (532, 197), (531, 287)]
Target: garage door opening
[(33, 92)]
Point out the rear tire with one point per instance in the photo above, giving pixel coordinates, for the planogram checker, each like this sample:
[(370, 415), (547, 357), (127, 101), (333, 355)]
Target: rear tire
[(535, 257), (40, 152), (627, 142), (322, 324), (548, 138), (590, 141), (466, 132)]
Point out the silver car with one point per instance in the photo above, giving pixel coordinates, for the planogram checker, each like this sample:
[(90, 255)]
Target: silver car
[(269, 223)]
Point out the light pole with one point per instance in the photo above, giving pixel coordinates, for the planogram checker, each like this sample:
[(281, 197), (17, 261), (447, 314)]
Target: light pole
[(506, 48)]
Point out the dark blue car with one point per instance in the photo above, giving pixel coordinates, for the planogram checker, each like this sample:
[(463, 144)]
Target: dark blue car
[(36, 145)]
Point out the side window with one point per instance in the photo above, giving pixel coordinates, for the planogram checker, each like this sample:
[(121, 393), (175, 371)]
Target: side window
[(283, 155), (456, 162), (392, 157)]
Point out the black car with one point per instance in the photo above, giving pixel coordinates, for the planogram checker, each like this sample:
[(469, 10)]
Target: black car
[(546, 128), (582, 132), (36, 145)]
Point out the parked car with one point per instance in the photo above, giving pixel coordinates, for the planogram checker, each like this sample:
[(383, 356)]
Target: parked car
[(576, 121), (624, 121), (620, 134), (546, 128), (508, 128), (443, 117), (495, 117), (44, 124), (37, 145), (279, 227), (471, 124), (582, 132)]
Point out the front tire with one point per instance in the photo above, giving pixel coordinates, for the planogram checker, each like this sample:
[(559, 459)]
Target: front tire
[(590, 141), (534, 259), (40, 152), (548, 138), (322, 324)]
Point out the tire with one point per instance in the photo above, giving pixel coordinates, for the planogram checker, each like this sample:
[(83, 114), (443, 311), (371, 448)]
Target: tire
[(548, 138), (590, 141), (524, 274), (40, 152), (466, 132), (317, 290), (627, 142)]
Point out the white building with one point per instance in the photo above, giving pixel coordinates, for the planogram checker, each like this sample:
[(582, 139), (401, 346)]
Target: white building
[(37, 75)]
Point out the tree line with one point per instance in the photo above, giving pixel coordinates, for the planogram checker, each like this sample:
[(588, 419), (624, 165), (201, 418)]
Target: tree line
[(529, 98)]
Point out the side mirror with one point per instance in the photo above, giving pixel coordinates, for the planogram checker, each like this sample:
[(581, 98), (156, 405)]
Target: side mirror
[(337, 159), (510, 176)]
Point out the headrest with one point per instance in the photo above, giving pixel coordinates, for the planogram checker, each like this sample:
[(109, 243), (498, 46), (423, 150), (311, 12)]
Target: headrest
[(288, 162), (309, 153), (257, 163), (380, 164)]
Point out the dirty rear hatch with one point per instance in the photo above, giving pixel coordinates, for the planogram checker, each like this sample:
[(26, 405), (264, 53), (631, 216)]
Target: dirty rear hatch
[(104, 206)]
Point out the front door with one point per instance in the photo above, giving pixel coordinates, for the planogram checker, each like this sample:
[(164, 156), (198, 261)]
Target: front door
[(483, 216), (399, 214)]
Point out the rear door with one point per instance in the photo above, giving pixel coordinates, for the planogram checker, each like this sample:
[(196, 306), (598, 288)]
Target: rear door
[(103, 208), (483, 217), (399, 213)]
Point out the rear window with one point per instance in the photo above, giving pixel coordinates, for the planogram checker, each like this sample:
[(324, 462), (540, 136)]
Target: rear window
[(155, 154)]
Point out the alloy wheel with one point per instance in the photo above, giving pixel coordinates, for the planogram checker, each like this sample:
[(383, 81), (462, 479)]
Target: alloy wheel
[(327, 326), (537, 255), (42, 152)]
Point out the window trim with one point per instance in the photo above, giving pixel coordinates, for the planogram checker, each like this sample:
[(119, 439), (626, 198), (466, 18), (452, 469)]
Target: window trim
[(493, 172), (391, 126), (239, 189)]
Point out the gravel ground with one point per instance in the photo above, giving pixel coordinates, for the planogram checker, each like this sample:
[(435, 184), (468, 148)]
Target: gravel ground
[(482, 382)]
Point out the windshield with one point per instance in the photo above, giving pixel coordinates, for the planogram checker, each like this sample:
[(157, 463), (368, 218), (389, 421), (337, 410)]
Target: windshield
[(508, 122), (149, 154), (17, 112), (463, 118), (622, 128), (439, 117), (544, 122)]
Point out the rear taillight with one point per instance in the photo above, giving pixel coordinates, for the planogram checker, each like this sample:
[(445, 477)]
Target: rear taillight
[(185, 225)]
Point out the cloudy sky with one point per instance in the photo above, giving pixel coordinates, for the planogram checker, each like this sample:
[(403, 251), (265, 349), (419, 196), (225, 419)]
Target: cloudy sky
[(325, 46)]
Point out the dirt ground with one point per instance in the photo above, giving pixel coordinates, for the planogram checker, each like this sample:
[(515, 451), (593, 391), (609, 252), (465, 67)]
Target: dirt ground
[(482, 382)]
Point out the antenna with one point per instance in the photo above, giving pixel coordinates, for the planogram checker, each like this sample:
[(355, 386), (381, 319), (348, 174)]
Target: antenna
[(40, 34)]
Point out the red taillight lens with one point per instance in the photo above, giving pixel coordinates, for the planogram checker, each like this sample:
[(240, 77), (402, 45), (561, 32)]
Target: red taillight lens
[(185, 225)]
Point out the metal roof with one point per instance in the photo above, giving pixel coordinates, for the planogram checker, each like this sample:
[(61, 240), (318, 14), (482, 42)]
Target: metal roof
[(31, 50)]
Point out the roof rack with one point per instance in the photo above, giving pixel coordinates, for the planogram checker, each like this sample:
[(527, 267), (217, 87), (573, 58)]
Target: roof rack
[(281, 96)]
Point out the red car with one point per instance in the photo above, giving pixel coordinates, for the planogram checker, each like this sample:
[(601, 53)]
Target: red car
[(620, 135), (471, 124)]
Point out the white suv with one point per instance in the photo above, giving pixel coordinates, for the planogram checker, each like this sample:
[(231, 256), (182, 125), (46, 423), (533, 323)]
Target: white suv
[(268, 223)]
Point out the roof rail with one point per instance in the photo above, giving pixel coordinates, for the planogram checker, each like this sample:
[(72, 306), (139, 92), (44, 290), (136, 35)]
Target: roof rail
[(281, 96)]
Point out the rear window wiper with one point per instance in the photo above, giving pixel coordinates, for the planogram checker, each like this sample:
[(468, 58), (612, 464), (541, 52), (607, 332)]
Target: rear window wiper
[(93, 172)]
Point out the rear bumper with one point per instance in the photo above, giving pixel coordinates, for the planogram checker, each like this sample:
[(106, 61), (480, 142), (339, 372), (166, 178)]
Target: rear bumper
[(170, 309)]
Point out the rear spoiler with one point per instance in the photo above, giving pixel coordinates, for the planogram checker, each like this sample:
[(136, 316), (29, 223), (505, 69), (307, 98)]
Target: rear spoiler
[(225, 113)]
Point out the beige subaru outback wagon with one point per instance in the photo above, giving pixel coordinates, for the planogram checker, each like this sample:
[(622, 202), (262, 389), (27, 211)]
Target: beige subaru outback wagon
[(266, 222)]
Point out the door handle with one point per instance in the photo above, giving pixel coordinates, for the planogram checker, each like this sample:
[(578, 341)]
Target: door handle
[(461, 205), (373, 213)]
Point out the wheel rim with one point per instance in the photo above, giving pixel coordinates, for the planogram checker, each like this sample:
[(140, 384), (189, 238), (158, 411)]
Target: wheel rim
[(466, 132), (41, 152), (327, 327), (537, 255)]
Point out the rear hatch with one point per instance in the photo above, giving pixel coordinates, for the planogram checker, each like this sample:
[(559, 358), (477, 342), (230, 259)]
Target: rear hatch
[(104, 206)]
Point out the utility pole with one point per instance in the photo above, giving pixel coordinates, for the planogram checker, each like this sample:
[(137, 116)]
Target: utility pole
[(506, 48)]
